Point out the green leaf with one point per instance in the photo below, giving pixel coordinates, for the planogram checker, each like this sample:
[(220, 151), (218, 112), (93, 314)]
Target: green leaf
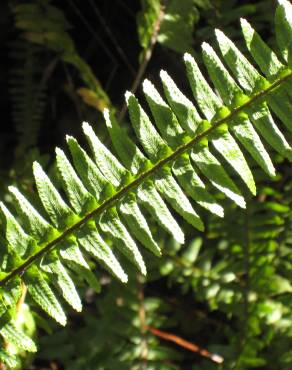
[(32, 220), (153, 202), (62, 280), (262, 54), (271, 67), (207, 100), (91, 241), (169, 188), (223, 143), (183, 108), (110, 167), (214, 171), (89, 173), (147, 194), (129, 153), (146, 19), (137, 223), (55, 206), (111, 224), (71, 254), (9, 296), (12, 335), (8, 359), (145, 131), (193, 185), (165, 119), (15, 235), (81, 200), (192, 251), (176, 31), (242, 128), (42, 294), (283, 21), (249, 79), (164, 182)]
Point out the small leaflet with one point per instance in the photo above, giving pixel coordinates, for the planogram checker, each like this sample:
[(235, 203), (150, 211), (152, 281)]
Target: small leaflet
[(92, 243), (13, 335), (15, 234), (129, 153), (155, 205), (33, 221), (71, 255), (89, 173), (111, 224), (283, 21), (79, 197), (63, 281), (55, 206), (137, 223), (184, 109), (213, 170), (42, 294), (172, 192), (165, 119), (8, 359), (107, 163), (145, 131), (194, 186)]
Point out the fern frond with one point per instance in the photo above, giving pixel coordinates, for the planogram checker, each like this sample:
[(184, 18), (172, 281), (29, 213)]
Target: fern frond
[(28, 94), (103, 194), (42, 23)]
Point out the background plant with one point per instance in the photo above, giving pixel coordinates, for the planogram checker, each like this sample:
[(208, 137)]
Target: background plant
[(234, 278)]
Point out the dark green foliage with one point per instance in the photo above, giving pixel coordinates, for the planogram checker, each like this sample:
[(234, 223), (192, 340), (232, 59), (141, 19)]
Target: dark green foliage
[(197, 184)]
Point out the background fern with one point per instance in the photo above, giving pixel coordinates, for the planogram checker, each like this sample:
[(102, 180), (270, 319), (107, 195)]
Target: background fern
[(28, 96), (108, 200)]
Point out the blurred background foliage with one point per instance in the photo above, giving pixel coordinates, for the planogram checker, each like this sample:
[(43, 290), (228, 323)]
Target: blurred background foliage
[(228, 290)]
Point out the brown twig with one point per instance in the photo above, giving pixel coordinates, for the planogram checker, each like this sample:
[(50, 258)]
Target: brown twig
[(186, 344), (147, 56), (142, 318)]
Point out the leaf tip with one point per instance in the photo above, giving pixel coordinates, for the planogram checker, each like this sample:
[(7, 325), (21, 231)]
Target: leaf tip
[(106, 115), (219, 35), (164, 75), (36, 167), (207, 47), (124, 278), (13, 189), (58, 151), (283, 3), (78, 306), (86, 127), (70, 138), (180, 238), (244, 22), (62, 320), (188, 58), (147, 85), (143, 269), (128, 95)]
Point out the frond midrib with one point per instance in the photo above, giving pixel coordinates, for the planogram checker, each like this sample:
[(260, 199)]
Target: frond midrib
[(110, 202)]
